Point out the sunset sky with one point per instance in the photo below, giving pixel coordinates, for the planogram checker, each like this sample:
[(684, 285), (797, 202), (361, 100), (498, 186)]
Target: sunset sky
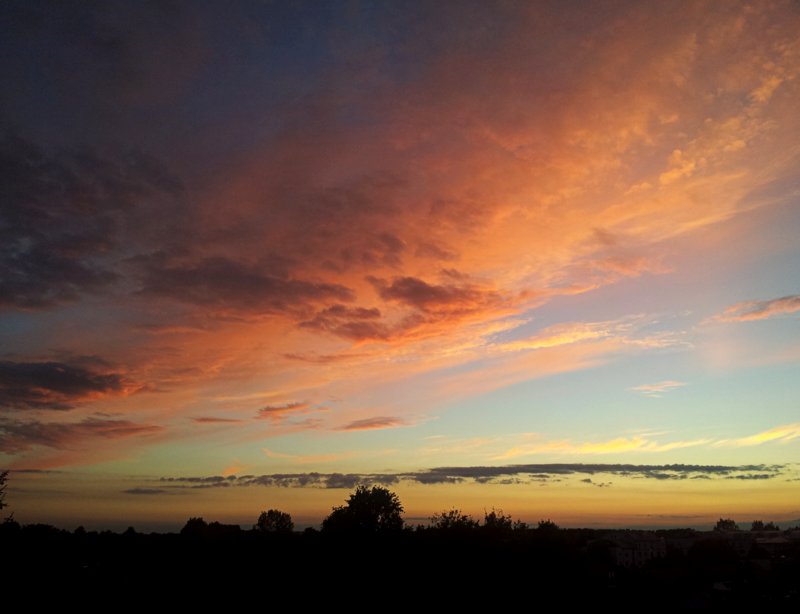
[(539, 256)]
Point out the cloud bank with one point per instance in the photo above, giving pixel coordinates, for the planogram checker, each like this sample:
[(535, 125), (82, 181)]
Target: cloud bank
[(507, 474)]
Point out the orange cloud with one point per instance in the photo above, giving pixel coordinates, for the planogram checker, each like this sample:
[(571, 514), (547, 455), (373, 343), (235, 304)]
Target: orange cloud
[(747, 311), (19, 435), (331, 257), (277, 413), (215, 420), (378, 422)]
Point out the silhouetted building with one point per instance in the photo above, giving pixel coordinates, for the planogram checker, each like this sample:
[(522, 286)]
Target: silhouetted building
[(635, 548)]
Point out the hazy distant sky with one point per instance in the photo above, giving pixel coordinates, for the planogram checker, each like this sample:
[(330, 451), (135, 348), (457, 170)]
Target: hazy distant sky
[(265, 250)]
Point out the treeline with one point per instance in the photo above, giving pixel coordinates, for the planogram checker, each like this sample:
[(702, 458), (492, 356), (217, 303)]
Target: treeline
[(364, 548)]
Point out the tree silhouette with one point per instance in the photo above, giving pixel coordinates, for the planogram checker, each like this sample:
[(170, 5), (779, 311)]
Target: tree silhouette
[(547, 526), (497, 522), (453, 520), (758, 525), (367, 510), (3, 478), (274, 521), (194, 527)]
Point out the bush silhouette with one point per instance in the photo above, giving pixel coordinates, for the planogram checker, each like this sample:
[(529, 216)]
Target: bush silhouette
[(453, 520)]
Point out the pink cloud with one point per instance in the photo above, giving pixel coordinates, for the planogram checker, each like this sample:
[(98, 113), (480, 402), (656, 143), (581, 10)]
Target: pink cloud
[(747, 311), (379, 422)]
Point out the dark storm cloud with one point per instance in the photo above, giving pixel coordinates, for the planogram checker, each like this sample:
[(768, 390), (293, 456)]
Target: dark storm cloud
[(64, 216), (509, 474), (18, 435), (52, 385)]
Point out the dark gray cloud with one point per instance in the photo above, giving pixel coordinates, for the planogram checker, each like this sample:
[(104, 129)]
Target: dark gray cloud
[(64, 216), (18, 435), (418, 293), (598, 484), (508, 474), (213, 479), (53, 385), (753, 476), (228, 284), (148, 491)]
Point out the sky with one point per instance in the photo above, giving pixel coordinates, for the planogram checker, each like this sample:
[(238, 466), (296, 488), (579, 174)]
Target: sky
[(537, 256)]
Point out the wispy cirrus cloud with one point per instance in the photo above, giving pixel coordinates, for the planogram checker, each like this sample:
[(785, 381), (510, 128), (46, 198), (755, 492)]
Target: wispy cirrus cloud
[(779, 434), (277, 413), (565, 334), (643, 443), (617, 445), (634, 331), (657, 389), (748, 311), (378, 422), (215, 420)]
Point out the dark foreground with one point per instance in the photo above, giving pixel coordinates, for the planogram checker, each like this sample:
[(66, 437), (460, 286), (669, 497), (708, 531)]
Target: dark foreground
[(628, 570)]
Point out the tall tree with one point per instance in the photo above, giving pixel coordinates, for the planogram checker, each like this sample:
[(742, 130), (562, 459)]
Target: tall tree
[(367, 510), (274, 521)]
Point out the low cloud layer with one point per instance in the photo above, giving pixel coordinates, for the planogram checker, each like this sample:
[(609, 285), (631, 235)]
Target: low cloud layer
[(506, 474)]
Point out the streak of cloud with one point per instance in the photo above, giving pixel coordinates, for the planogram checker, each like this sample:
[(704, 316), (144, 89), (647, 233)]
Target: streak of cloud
[(780, 434), (657, 389), (378, 422), (748, 311), (21, 435)]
